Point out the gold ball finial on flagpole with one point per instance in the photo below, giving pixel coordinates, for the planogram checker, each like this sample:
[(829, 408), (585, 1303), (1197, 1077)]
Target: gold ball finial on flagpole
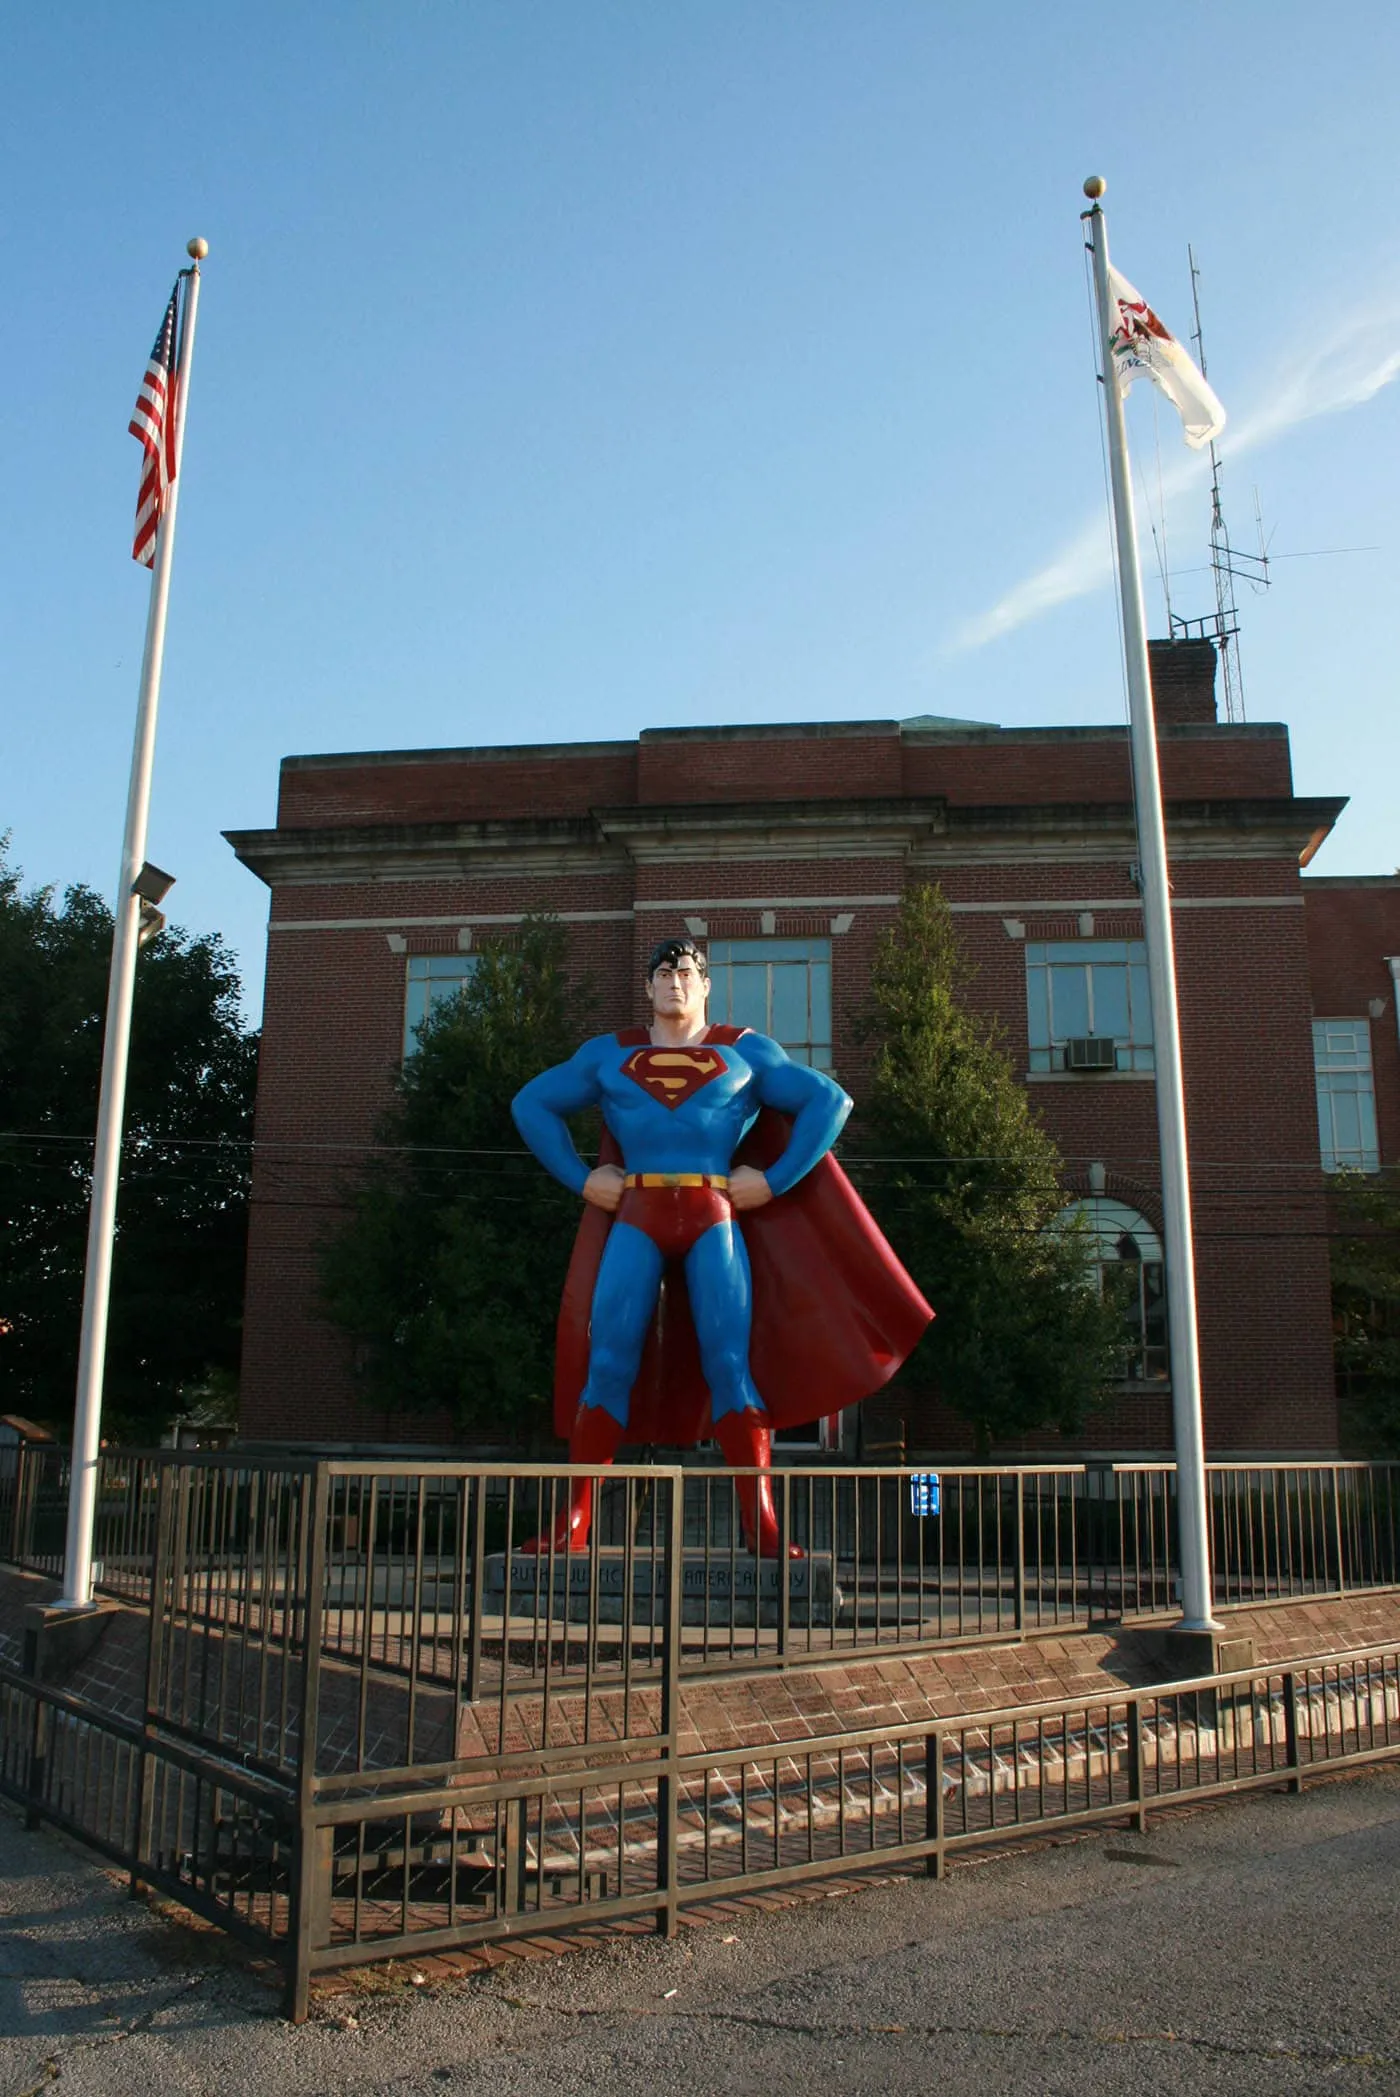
[(198, 249), (1094, 188)]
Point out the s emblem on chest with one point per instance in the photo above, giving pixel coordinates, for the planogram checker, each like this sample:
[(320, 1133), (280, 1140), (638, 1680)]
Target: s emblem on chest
[(672, 1075)]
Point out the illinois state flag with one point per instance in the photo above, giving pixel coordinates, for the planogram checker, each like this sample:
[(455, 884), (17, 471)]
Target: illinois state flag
[(1140, 343)]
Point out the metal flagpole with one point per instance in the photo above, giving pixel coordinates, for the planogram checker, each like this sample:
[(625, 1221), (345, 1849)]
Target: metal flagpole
[(106, 1164), (1193, 1514)]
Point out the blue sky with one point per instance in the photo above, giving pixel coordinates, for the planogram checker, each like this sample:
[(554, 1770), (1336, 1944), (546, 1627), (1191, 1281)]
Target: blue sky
[(570, 367)]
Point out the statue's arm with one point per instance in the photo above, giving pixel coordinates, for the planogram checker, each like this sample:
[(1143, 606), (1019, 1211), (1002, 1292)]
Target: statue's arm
[(817, 1104), (539, 1110)]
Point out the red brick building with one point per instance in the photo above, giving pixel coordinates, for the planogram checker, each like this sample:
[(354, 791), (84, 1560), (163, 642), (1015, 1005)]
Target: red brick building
[(788, 849)]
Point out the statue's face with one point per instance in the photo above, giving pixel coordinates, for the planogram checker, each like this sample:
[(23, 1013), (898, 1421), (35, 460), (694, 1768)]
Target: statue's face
[(679, 990)]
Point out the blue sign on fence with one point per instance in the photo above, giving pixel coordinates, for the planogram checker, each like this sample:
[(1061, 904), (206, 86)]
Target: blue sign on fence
[(923, 1493)]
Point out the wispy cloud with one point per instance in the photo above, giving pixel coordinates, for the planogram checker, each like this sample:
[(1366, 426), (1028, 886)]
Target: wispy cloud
[(1342, 370)]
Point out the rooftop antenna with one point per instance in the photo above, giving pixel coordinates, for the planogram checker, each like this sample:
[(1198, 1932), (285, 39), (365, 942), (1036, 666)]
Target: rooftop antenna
[(1228, 564)]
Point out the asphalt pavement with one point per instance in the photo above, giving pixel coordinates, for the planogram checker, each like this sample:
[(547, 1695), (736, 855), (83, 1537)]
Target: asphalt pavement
[(1241, 1948)]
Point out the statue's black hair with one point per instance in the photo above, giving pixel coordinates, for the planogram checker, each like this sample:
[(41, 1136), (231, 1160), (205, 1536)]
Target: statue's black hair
[(667, 952)]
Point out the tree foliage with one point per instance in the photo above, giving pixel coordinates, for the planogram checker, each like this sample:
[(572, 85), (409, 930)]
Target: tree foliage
[(448, 1271), (967, 1185), (1366, 1309), (177, 1276)]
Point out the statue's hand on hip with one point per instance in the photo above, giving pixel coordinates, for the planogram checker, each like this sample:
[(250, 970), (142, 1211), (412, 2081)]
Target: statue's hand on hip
[(748, 1189), (603, 1187)]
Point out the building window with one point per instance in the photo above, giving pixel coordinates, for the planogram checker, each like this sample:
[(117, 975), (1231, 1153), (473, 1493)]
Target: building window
[(780, 987), (1346, 1095), (432, 980), (1083, 990), (827, 1434), (1129, 1273)]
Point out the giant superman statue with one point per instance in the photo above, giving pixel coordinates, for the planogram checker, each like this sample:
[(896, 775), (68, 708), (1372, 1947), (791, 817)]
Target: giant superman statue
[(796, 1312)]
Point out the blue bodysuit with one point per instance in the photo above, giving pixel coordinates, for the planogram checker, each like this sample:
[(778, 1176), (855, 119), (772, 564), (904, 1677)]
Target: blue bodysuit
[(678, 1115)]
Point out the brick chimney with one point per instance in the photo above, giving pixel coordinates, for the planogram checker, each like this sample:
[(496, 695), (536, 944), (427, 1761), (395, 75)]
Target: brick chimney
[(1183, 681)]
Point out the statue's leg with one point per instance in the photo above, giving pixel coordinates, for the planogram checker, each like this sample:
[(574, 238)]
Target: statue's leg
[(624, 1298), (721, 1303)]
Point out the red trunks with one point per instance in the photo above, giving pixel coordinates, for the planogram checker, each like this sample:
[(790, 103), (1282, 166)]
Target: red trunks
[(674, 1217)]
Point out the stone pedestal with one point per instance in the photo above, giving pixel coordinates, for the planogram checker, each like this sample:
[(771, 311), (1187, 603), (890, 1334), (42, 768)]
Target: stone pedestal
[(716, 1589)]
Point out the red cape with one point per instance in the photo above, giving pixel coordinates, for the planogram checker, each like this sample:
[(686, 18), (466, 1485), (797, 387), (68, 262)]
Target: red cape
[(834, 1312)]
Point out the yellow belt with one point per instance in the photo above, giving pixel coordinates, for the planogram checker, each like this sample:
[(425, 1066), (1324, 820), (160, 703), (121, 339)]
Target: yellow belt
[(677, 1179)]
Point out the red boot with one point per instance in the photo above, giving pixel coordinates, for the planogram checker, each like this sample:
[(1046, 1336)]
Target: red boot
[(595, 1439), (746, 1443)]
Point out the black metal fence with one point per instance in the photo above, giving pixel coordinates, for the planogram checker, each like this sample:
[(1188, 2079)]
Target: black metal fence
[(347, 1711), (317, 1875), (424, 1562)]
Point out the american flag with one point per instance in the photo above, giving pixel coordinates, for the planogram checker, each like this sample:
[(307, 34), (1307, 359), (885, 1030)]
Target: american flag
[(153, 422)]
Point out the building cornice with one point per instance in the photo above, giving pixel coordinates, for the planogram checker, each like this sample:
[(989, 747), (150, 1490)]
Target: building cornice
[(427, 851), (741, 831), (1269, 827), (921, 831)]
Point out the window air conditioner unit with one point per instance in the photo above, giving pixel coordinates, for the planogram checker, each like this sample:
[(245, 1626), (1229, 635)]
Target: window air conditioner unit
[(1091, 1052)]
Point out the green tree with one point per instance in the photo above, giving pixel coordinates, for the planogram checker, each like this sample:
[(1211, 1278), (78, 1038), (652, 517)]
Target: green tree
[(177, 1276), (448, 1271), (967, 1184), (1366, 1310)]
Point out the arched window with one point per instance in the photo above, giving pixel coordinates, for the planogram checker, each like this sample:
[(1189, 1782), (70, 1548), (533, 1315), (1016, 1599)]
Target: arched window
[(1128, 1266)]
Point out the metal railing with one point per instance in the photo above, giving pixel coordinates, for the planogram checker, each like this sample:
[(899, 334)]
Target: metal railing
[(1286, 1531), (34, 1480), (359, 1715), (320, 1873), (425, 1575)]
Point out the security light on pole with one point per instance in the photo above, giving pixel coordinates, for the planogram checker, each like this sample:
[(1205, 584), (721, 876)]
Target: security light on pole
[(152, 886)]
